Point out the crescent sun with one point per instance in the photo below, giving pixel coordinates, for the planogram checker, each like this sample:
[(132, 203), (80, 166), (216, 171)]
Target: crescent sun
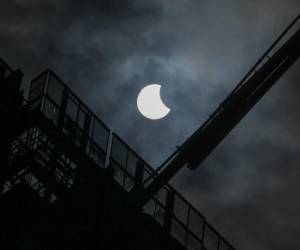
[(150, 104)]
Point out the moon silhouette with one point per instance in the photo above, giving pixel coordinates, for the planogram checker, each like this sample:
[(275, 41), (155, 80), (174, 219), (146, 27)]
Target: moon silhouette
[(150, 103)]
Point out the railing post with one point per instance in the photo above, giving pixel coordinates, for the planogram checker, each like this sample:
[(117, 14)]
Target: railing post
[(3, 160), (203, 235), (62, 109), (187, 227), (218, 243), (138, 184), (138, 175), (86, 130), (169, 210)]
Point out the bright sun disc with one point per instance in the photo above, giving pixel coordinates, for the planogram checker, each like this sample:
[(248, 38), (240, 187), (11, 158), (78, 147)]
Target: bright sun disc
[(150, 104)]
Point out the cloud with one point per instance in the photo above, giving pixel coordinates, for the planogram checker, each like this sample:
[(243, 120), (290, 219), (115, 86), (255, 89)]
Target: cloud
[(198, 50)]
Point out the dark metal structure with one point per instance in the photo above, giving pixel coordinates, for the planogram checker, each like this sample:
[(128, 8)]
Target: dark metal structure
[(65, 180), (68, 182), (263, 75)]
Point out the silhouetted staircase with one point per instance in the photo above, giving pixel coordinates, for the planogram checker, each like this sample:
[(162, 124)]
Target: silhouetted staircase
[(67, 176)]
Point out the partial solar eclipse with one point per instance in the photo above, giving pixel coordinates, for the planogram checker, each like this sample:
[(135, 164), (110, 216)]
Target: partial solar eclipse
[(150, 103)]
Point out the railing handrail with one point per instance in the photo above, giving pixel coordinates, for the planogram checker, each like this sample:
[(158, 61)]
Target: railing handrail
[(128, 149), (6, 65)]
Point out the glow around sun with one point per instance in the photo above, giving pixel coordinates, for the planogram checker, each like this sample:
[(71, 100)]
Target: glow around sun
[(150, 104)]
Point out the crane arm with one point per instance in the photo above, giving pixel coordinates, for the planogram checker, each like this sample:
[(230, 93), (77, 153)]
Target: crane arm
[(198, 147)]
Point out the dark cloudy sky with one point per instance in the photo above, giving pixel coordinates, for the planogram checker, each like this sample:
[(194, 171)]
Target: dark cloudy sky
[(198, 50)]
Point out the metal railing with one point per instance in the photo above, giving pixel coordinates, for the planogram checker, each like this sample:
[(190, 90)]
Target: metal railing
[(5, 69), (62, 107), (188, 225)]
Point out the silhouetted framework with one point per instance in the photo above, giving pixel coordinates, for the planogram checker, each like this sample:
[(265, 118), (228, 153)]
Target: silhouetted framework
[(68, 182), (65, 180)]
